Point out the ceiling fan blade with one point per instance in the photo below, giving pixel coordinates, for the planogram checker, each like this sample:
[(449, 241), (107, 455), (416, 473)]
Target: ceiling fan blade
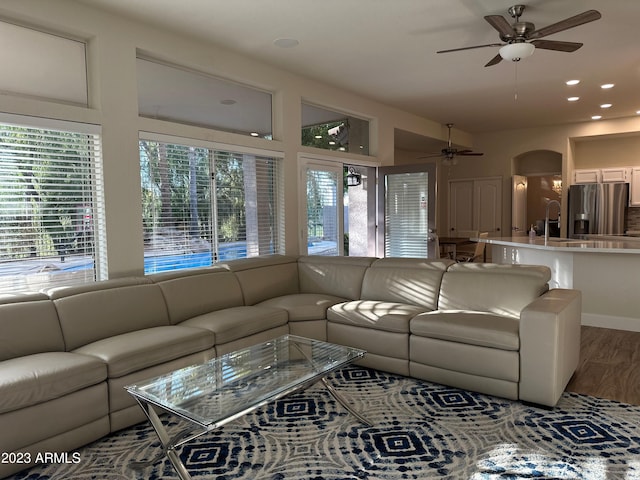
[(431, 155), (581, 18), (557, 45), (470, 48), (494, 61), (500, 24), (469, 153)]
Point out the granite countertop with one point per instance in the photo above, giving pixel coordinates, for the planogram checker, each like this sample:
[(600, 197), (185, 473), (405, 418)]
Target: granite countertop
[(592, 243)]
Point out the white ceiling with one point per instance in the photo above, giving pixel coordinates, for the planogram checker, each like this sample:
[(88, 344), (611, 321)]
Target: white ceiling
[(386, 50)]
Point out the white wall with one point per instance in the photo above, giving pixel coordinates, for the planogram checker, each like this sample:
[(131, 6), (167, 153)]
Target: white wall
[(112, 46)]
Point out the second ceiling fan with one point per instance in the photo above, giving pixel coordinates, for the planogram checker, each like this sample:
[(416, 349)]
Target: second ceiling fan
[(520, 39), (449, 153)]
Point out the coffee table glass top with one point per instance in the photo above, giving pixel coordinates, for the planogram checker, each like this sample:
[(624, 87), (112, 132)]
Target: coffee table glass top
[(212, 393)]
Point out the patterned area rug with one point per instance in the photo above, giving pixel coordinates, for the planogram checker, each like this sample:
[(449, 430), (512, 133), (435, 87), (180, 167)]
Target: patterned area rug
[(421, 431)]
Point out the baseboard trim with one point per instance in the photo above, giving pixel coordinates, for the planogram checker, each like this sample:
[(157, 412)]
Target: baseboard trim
[(610, 321)]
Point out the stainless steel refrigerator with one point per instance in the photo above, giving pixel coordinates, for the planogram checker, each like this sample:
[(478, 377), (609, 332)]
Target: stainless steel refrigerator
[(597, 208)]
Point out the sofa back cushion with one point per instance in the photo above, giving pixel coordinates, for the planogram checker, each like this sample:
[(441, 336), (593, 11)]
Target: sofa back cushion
[(488, 287), (265, 277), (337, 276), (28, 324), (104, 309), (199, 291), (405, 280)]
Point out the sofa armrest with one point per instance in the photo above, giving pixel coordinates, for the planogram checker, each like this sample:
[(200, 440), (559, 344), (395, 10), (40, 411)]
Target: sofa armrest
[(549, 345)]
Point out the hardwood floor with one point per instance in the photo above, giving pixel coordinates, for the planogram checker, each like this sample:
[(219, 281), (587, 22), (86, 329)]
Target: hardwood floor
[(609, 365)]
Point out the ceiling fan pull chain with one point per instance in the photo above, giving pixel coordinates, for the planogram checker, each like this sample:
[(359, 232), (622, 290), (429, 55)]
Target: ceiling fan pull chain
[(515, 87)]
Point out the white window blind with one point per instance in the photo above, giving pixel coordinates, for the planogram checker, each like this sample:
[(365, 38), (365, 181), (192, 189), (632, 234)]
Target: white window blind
[(249, 200), (51, 208), (323, 227), (406, 215), (42, 65), (202, 205)]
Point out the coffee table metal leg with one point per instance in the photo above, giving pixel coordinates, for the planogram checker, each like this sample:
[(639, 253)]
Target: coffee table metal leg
[(341, 400), (165, 440)]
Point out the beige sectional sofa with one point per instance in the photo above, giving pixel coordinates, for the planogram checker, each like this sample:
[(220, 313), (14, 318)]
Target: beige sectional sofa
[(65, 356)]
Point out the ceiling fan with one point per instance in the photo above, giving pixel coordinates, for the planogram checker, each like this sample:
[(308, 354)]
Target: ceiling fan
[(450, 153), (521, 38)]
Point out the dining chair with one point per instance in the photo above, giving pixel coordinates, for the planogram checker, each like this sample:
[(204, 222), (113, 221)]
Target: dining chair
[(478, 252)]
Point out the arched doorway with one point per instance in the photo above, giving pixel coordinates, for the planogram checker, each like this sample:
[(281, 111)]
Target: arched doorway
[(537, 179)]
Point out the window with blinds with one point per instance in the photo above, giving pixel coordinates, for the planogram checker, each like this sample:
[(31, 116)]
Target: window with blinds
[(51, 208), (203, 204)]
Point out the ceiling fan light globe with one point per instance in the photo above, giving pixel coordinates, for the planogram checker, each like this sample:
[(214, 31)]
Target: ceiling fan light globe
[(517, 51)]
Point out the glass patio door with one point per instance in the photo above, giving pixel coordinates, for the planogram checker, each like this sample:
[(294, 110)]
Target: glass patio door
[(406, 211)]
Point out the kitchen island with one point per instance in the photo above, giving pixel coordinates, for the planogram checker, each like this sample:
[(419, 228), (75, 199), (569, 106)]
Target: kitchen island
[(605, 268)]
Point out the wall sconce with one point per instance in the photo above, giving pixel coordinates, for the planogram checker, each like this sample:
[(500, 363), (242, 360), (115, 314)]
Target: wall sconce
[(353, 178)]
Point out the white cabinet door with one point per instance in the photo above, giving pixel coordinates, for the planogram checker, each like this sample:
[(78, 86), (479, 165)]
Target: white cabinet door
[(634, 200), (460, 207), (488, 205), (586, 176), (475, 205), (615, 174)]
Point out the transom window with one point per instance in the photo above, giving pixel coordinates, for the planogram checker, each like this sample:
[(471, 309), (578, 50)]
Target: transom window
[(178, 94), (332, 130), (42, 65)]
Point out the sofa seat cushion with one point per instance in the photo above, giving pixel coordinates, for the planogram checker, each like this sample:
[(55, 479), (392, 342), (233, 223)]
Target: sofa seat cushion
[(304, 306), (474, 328), (37, 378), (238, 322), (133, 351), (386, 316)]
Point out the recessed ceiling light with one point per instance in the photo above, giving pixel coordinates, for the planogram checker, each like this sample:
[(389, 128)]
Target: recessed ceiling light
[(286, 42), (317, 136), (573, 99), (605, 105), (596, 117), (228, 101), (606, 86), (572, 82), (332, 142), (638, 112), (255, 134)]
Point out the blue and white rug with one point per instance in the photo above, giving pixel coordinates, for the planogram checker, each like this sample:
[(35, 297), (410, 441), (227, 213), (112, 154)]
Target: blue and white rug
[(421, 431)]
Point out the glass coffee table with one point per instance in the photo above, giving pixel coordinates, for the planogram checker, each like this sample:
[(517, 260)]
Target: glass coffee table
[(213, 393)]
